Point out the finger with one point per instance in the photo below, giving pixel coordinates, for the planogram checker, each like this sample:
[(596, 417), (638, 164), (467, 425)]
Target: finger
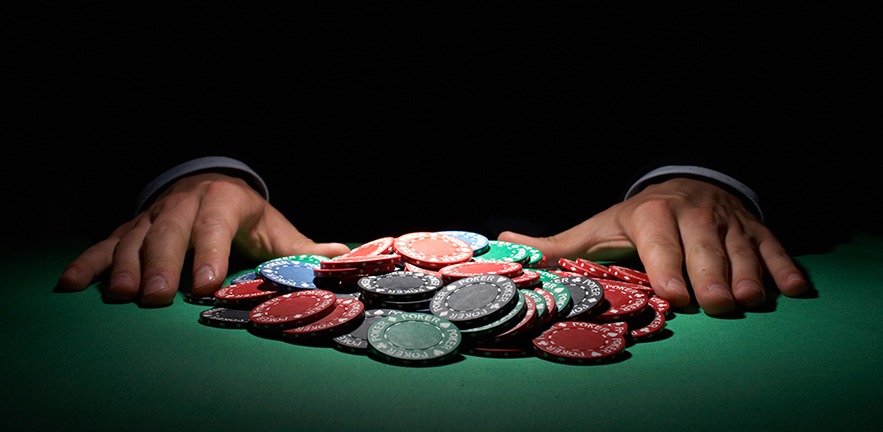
[(789, 279), (212, 237), (92, 263), (164, 250), (745, 268), (706, 262), (657, 238), (282, 238), (125, 276)]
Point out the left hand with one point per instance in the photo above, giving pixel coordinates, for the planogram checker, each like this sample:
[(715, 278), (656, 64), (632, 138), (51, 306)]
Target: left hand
[(678, 222)]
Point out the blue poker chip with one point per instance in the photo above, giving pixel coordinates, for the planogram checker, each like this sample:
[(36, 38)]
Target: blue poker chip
[(288, 275), (242, 276), (479, 243)]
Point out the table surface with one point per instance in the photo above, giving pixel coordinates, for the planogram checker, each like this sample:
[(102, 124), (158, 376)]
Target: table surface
[(75, 363)]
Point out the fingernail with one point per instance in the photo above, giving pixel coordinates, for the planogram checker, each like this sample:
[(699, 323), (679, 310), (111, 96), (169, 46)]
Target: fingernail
[(154, 285), (796, 277), (121, 279), (675, 285), (204, 276), (719, 290)]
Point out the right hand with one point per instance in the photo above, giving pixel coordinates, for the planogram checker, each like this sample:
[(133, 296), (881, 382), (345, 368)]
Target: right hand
[(210, 213)]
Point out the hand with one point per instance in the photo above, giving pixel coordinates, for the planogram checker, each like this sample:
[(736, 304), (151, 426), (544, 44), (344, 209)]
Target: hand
[(208, 212), (725, 247)]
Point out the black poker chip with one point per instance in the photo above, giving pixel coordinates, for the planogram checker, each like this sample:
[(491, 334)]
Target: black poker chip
[(225, 317), (356, 341), (400, 285), (585, 292), (475, 300)]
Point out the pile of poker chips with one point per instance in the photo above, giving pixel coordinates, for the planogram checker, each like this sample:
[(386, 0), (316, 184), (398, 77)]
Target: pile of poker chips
[(425, 298)]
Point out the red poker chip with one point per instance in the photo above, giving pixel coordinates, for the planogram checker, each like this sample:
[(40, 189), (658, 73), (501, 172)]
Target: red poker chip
[(361, 261), (293, 309), (527, 279), (351, 272), (467, 269), (620, 327), (347, 313), (622, 303), (382, 245), (648, 323), (662, 305), (413, 268), (250, 290), (550, 305), (432, 250), (619, 283), (629, 275), (528, 322), (574, 267), (563, 273), (597, 270), (579, 342)]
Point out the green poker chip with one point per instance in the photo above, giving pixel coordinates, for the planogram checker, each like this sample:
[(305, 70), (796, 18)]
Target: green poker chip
[(414, 339), (505, 251), (563, 300)]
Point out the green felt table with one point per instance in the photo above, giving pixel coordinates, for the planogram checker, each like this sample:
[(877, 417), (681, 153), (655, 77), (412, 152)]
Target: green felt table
[(73, 362)]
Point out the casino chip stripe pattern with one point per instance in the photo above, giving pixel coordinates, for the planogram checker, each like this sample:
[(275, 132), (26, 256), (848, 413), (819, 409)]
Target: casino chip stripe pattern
[(429, 298)]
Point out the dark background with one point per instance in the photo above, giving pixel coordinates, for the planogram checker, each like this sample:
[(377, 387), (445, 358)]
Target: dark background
[(433, 108)]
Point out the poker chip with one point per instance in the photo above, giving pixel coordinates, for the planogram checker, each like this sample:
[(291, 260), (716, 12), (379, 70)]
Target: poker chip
[(535, 257), (662, 305), (621, 302), (400, 285), (595, 270), (356, 341), (404, 305), (505, 251), (293, 309), (586, 293), (346, 313), (479, 243), (551, 307), (422, 298), (382, 245), (579, 342), (540, 304), (500, 325), (413, 268), (647, 324), (225, 317), (475, 300), (474, 268), (525, 324), (575, 267), (308, 258), (241, 276), (623, 284), (288, 275), (249, 292), (208, 300), (527, 279), (629, 275), (414, 338), (563, 299), (380, 260), (432, 250)]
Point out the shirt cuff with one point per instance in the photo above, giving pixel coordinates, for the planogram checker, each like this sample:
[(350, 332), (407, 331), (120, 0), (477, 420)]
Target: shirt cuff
[(656, 175), (220, 164)]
